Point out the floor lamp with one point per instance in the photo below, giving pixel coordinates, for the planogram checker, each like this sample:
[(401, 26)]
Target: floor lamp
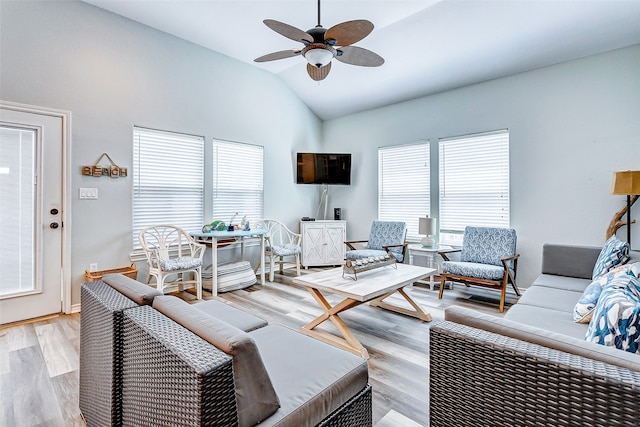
[(627, 183)]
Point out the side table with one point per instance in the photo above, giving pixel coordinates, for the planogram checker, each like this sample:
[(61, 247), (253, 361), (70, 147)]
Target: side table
[(431, 254)]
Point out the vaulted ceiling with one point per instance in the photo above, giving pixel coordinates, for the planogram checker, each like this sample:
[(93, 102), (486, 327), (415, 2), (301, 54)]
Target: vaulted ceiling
[(429, 46)]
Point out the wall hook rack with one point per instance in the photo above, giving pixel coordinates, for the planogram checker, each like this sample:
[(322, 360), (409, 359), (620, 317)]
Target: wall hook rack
[(113, 170)]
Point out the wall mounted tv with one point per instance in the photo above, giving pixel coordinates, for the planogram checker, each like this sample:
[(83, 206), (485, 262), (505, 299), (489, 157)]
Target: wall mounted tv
[(323, 168)]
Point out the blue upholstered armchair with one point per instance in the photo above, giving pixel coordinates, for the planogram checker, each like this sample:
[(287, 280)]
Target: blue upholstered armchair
[(385, 237), (487, 258)]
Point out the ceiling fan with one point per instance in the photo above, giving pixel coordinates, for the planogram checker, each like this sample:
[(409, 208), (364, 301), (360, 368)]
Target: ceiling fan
[(321, 45)]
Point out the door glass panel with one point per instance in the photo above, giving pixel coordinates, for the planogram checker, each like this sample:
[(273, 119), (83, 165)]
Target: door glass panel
[(17, 216)]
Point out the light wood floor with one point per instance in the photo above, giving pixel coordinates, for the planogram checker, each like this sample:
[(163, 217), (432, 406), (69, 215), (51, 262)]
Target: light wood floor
[(39, 360)]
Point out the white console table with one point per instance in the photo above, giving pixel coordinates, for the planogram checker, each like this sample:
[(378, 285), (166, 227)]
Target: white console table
[(211, 240), (431, 254)]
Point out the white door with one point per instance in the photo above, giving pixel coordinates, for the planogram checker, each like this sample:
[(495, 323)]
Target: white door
[(31, 216)]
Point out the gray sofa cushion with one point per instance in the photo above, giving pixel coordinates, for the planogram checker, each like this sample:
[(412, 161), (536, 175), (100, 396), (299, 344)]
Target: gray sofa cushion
[(551, 298), (255, 394), (233, 316), (138, 292), (562, 282), (557, 321), (537, 335), (311, 378), (571, 261)]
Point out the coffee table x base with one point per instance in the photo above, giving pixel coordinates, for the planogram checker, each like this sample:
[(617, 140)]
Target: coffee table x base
[(373, 288)]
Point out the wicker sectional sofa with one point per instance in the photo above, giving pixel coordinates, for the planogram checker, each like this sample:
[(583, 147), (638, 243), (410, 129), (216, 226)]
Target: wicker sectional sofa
[(532, 367), (152, 360)]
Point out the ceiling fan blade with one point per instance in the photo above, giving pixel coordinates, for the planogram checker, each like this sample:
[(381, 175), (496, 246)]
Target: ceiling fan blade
[(278, 55), (318, 74), (354, 55), (349, 32), (289, 31)]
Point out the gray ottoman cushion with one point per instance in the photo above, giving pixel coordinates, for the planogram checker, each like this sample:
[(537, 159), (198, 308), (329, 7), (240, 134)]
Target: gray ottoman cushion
[(233, 316), (312, 378), (255, 395), (132, 289)]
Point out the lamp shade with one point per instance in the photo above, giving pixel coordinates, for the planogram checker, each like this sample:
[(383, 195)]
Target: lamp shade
[(626, 183), (427, 226), (318, 57)]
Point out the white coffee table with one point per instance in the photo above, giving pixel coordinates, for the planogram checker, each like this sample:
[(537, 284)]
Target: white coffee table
[(371, 286)]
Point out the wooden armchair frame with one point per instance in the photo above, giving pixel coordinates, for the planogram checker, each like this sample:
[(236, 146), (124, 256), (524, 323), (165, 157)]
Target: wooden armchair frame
[(507, 277)]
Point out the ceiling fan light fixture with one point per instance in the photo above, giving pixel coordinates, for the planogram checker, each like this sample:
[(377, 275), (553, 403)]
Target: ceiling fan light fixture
[(318, 56), (321, 45)]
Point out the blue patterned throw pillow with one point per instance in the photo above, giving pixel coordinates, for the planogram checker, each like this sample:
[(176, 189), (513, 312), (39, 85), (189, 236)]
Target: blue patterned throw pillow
[(635, 269), (614, 252), (616, 318), (583, 310)]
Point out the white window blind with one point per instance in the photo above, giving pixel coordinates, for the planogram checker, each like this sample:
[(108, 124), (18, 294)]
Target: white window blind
[(237, 181), (403, 185), (474, 182), (168, 180)]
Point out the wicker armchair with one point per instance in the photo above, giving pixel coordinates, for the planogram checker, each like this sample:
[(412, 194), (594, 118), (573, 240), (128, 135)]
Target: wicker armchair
[(170, 250), (140, 368), (280, 242)]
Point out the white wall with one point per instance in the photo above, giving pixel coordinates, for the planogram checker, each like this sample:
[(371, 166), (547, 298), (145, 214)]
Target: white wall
[(113, 73), (571, 126)]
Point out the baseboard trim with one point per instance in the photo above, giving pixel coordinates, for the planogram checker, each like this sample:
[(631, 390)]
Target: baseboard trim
[(75, 308)]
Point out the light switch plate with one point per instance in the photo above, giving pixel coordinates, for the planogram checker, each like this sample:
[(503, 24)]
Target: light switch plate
[(88, 193)]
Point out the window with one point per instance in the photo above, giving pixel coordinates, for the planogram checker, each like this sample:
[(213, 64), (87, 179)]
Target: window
[(474, 183), (403, 185), (237, 181), (168, 180)]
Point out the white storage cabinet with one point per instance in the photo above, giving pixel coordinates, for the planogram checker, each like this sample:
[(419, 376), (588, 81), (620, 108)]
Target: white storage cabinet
[(323, 242)]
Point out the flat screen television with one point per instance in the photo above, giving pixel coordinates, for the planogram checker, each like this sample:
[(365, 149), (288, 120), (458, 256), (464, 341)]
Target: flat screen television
[(323, 168)]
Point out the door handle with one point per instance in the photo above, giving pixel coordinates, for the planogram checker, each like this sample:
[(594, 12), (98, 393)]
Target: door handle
[(54, 225)]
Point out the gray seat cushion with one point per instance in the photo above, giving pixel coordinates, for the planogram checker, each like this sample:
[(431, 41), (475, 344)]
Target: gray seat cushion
[(312, 378), (233, 316), (532, 324), (137, 292), (559, 322), (562, 282), (255, 394), (551, 298)]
